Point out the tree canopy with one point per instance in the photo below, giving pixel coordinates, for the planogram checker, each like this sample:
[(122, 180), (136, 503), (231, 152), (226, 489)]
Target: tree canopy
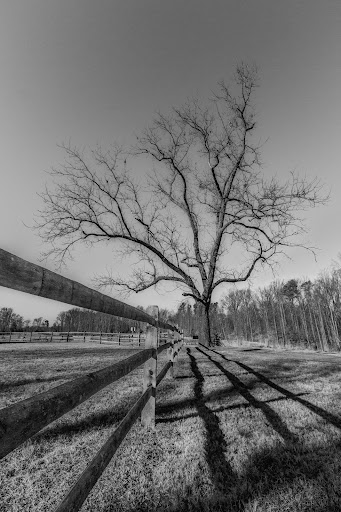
[(206, 198)]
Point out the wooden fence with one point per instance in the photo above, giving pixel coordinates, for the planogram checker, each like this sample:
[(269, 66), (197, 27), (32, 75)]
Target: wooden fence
[(116, 338), (20, 421)]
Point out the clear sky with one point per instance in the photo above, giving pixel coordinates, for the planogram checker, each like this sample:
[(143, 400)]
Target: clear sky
[(94, 72)]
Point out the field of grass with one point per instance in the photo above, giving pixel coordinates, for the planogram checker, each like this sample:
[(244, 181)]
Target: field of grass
[(239, 429)]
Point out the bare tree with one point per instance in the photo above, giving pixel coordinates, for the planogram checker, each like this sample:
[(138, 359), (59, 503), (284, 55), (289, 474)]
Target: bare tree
[(205, 198)]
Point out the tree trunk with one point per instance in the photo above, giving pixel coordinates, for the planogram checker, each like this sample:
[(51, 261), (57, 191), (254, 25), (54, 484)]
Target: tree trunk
[(236, 326), (305, 325), (323, 332), (313, 327), (281, 310), (250, 325), (267, 327), (334, 328), (205, 331), (275, 324)]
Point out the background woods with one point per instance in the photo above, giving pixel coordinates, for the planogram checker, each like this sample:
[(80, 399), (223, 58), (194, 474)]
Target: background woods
[(299, 312)]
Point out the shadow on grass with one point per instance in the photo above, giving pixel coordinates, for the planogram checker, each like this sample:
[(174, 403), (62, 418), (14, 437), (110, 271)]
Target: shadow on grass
[(215, 447), (250, 349), (272, 474), (182, 377), (272, 417), (97, 420), (191, 402), (37, 380), (243, 405), (327, 416)]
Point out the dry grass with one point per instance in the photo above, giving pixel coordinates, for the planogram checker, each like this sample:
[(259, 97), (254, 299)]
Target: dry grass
[(259, 434)]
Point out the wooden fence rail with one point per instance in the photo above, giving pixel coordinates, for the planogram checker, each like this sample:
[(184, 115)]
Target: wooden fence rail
[(115, 338), (22, 420), (21, 275), (81, 489)]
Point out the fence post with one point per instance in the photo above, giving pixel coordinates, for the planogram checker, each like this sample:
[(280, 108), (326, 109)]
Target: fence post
[(51, 336), (149, 370), (84, 337), (100, 337), (179, 342), (171, 353), (119, 339), (31, 335)]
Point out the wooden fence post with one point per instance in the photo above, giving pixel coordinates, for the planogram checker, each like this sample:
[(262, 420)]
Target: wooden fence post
[(150, 369), (100, 337), (51, 336), (179, 343), (171, 353)]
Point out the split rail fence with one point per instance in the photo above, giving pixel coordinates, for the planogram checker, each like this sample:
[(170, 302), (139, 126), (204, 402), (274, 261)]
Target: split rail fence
[(22, 420)]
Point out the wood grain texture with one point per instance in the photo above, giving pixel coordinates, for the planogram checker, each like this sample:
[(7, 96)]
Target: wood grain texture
[(150, 369), (21, 275)]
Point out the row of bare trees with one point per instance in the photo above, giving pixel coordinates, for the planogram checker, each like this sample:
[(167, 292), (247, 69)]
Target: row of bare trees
[(11, 321), (297, 313), (81, 320), (74, 319)]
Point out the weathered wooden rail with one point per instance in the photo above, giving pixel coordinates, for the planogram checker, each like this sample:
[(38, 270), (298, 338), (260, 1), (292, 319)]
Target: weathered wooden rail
[(20, 421)]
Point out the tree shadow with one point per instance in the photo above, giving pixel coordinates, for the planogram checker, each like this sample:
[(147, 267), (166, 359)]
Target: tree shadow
[(272, 417), (327, 416), (232, 407), (206, 375), (250, 349), (269, 472), (223, 476)]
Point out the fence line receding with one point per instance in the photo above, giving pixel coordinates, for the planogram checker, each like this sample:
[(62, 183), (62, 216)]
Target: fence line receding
[(22, 420)]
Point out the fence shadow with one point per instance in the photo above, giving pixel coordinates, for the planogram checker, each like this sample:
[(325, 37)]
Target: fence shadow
[(268, 473), (215, 445), (271, 416), (244, 405), (327, 416)]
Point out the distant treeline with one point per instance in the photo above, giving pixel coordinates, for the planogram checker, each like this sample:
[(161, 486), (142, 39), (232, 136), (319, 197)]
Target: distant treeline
[(300, 313), (74, 319)]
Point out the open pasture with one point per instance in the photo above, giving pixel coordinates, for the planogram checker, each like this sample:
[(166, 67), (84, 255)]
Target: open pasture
[(238, 429)]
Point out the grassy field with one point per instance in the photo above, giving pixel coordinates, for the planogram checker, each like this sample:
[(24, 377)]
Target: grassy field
[(239, 429)]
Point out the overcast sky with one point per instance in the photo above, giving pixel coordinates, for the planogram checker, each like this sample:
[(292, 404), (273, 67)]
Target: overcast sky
[(94, 72)]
